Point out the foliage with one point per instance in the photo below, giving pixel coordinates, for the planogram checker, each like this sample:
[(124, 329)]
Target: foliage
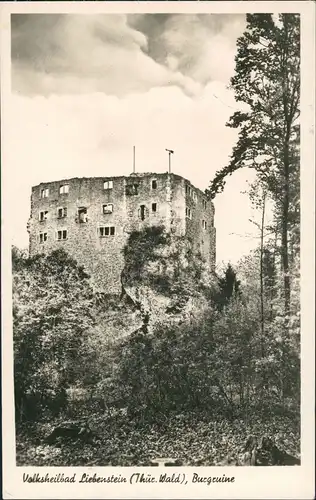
[(221, 361), (165, 263), (221, 358), (193, 439), (138, 251), (267, 82), (214, 374), (229, 287), (52, 312)]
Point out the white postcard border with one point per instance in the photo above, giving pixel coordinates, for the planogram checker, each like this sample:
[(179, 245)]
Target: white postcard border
[(259, 483)]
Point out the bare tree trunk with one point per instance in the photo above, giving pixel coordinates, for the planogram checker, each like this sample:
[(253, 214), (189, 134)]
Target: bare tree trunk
[(261, 274), (286, 181), (285, 269), (274, 263), (285, 243)]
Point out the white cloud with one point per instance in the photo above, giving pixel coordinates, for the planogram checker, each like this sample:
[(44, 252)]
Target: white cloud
[(87, 54), (110, 53), (202, 47)]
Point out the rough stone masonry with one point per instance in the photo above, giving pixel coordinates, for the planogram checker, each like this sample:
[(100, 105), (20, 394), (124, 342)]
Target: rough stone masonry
[(91, 218)]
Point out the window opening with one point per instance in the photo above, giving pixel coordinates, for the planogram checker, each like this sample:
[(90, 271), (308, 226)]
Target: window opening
[(107, 208), (154, 207), (188, 213), (64, 189), (132, 189), (44, 193), (43, 215), (154, 184), (142, 212), (62, 235), (82, 215), (42, 237), (106, 231), (108, 185), (62, 212)]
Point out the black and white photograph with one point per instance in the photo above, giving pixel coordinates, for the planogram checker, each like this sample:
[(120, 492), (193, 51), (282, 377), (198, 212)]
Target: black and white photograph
[(153, 214)]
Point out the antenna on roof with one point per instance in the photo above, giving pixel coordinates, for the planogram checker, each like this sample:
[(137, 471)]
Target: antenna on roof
[(170, 152), (133, 159)]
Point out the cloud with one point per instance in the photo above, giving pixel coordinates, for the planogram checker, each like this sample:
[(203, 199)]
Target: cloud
[(120, 54), (85, 54), (201, 47)]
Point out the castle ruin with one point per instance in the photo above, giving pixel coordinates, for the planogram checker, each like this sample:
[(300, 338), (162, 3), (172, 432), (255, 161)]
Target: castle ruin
[(91, 218)]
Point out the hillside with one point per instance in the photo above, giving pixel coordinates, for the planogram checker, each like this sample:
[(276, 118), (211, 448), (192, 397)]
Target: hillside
[(176, 365)]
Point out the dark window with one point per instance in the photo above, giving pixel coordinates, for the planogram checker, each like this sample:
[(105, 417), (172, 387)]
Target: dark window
[(107, 208), (82, 215), (154, 207), (62, 235), (154, 184), (107, 231), (62, 212), (43, 215), (142, 212), (44, 193), (188, 212), (132, 189), (43, 237)]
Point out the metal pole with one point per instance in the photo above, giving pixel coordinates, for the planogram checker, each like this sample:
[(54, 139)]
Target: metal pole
[(170, 152), (133, 159)]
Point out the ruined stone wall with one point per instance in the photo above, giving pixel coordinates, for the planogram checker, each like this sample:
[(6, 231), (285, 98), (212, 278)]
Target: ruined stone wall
[(101, 256), (199, 223), (147, 196), (137, 201)]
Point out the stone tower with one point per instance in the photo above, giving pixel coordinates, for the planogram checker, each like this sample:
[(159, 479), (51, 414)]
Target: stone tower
[(91, 218)]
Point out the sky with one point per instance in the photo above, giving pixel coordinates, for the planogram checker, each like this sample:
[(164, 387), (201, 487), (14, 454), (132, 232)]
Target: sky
[(85, 89)]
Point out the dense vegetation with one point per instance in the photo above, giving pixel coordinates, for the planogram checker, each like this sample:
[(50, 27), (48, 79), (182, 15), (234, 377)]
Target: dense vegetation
[(190, 386), (184, 363)]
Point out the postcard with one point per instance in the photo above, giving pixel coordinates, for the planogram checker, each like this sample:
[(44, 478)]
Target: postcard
[(158, 240)]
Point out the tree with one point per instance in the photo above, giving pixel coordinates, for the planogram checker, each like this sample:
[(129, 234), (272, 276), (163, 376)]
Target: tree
[(164, 278), (276, 357), (52, 313), (229, 287), (267, 81)]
